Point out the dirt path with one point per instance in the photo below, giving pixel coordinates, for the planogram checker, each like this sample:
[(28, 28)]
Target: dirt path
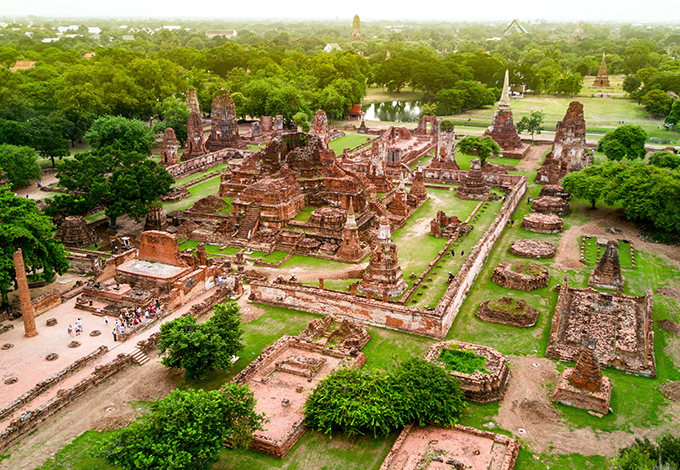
[(528, 413), (569, 252), (310, 274), (109, 406), (533, 157)]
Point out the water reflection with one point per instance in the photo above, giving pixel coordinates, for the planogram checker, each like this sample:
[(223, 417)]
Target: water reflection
[(395, 111)]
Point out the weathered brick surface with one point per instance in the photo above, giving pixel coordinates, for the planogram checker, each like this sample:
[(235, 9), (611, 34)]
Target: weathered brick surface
[(478, 386), (532, 249), (509, 274), (516, 312)]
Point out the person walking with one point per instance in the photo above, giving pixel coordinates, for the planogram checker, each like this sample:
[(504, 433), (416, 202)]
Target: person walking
[(106, 319), (70, 331)]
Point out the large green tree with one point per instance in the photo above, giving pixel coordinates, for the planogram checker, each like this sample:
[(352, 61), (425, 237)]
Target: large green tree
[(657, 103), (47, 136), (22, 225), (20, 164), (119, 133), (482, 146), (624, 142), (199, 348), (174, 113), (122, 182), (185, 430), (533, 124)]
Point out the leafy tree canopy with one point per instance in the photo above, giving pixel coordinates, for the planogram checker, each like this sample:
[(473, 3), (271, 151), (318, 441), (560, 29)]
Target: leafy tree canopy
[(20, 164), (624, 142), (174, 113), (482, 146), (355, 401), (119, 133), (533, 124), (185, 430), (199, 348), (22, 225)]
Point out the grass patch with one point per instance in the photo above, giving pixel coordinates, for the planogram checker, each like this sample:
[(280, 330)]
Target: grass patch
[(76, 455), (530, 269), (197, 192), (304, 214), (463, 361), (348, 141), (275, 256)]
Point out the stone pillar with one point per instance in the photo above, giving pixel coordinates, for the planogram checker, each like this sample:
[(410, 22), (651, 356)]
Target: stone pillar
[(385, 296), (27, 311), (353, 290), (321, 283), (369, 295), (201, 255)]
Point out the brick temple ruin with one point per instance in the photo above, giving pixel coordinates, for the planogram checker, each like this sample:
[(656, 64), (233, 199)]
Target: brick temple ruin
[(158, 270), (383, 276), (602, 79), (472, 184), (532, 249), (195, 138), (74, 232), (569, 151), (481, 386), (542, 223), (622, 326), (169, 148), (459, 447), (550, 205), (502, 128), (583, 386), (283, 376), (508, 311), (224, 131)]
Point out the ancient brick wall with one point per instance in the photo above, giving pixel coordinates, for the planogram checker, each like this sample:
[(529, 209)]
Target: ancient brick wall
[(330, 302), (455, 295), (109, 271), (205, 162), (46, 301), (160, 247), (50, 382), (29, 420)]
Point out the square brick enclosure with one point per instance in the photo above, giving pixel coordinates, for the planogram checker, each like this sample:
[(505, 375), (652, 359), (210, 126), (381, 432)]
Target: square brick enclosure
[(281, 379), (622, 326), (459, 447)]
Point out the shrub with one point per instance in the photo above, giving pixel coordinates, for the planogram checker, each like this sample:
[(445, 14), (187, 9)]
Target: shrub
[(463, 361), (358, 402)]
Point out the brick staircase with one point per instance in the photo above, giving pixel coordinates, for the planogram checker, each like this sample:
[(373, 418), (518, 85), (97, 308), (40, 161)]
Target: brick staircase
[(139, 357), (249, 224)]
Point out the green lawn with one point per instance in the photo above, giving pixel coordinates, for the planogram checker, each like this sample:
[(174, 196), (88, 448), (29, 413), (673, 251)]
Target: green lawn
[(348, 141), (199, 191)]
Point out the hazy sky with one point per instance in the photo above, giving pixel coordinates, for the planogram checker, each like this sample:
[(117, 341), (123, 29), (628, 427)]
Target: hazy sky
[(633, 11)]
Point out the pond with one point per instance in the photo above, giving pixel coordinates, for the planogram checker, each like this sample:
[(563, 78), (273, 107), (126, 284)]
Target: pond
[(393, 111)]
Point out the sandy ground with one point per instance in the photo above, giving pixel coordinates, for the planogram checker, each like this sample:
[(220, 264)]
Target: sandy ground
[(569, 252), (527, 412), (533, 157), (110, 406)]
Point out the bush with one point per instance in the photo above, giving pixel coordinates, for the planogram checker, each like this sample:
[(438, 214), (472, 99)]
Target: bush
[(358, 402), (465, 362)]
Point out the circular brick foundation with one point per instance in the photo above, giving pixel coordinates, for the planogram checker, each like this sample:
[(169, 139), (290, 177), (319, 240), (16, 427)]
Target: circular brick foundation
[(11, 380), (542, 223), (51, 321), (52, 357), (7, 346), (95, 333), (521, 275), (532, 249), (73, 344), (508, 311)]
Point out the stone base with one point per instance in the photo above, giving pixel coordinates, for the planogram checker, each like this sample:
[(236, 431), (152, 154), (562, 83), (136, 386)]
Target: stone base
[(606, 283), (569, 395), (542, 223), (522, 318), (532, 249), (505, 276), (517, 153)]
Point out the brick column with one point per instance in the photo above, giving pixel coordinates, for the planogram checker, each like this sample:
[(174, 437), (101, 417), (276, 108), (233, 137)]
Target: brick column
[(321, 283), (27, 311)]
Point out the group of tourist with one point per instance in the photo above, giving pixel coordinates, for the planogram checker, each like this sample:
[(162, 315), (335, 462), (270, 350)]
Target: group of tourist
[(129, 319), (78, 329)]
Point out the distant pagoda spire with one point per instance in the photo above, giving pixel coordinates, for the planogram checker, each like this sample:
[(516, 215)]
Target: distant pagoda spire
[(504, 102)]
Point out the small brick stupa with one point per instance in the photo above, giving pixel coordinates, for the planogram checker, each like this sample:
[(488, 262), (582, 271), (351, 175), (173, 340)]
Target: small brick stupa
[(74, 232), (195, 139), (418, 190), (502, 128), (399, 205), (169, 148), (607, 273), (350, 249), (472, 185), (383, 275), (583, 386), (602, 79)]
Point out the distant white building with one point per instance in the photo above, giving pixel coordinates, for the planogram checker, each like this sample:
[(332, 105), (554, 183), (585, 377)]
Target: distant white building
[(63, 29), (128, 37), (227, 33), (94, 30), (332, 47), (171, 28), (50, 39)]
